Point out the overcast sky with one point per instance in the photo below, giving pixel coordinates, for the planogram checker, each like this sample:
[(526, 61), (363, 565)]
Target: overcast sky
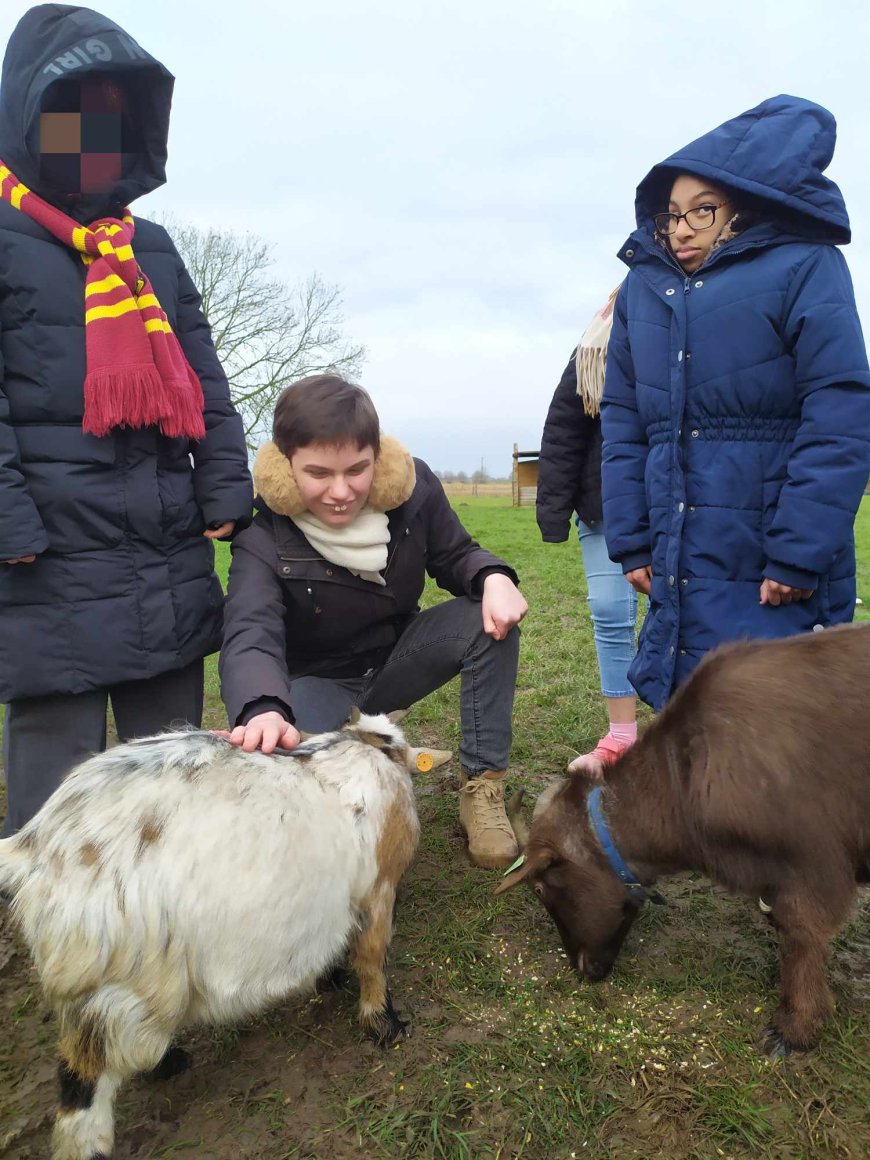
[(465, 170)]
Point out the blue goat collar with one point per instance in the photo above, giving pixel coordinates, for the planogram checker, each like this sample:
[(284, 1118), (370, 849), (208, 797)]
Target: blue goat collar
[(618, 864)]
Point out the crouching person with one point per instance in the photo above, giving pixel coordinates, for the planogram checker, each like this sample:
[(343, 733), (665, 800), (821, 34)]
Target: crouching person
[(322, 611)]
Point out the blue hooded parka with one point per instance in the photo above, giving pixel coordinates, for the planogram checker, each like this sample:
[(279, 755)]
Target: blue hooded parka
[(736, 410)]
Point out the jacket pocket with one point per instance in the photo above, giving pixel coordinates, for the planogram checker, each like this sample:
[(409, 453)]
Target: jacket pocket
[(75, 482), (181, 513)]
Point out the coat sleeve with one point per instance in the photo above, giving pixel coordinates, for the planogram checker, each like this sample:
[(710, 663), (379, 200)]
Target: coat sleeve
[(624, 451), (565, 443), (221, 478), (253, 661), (830, 460), (21, 529), (453, 559)]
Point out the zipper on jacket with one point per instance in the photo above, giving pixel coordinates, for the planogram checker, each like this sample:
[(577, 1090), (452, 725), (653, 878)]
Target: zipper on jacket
[(403, 532)]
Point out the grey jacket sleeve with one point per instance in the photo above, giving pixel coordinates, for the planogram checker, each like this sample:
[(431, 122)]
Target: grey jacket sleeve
[(454, 559), (253, 663)]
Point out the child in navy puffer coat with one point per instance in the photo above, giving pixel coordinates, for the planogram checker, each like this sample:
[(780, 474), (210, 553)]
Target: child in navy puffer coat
[(736, 410)]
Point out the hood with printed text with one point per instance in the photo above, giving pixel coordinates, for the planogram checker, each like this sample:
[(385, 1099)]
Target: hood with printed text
[(54, 42)]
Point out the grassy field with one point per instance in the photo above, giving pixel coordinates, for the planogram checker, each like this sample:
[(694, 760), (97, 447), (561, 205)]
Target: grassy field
[(511, 1056)]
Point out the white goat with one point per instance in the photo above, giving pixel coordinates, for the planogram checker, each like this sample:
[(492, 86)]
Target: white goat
[(178, 880)]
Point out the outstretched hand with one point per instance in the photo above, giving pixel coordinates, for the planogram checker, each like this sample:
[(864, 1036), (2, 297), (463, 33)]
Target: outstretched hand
[(503, 605), (263, 732)]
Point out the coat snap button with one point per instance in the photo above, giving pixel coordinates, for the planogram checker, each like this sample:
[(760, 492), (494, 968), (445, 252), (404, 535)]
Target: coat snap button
[(680, 357), (629, 253), (691, 508), (671, 580), (818, 628), (684, 582), (699, 284), (695, 433), (286, 570), (328, 571), (680, 507), (670, 290), (682, 652), (671, 650)]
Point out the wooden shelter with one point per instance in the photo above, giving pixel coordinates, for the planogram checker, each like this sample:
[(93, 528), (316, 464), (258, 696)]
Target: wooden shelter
[(524, 478)]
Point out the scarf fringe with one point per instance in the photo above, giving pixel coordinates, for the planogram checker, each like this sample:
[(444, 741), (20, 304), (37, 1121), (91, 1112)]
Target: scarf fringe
[(591, 362), (132, 397)]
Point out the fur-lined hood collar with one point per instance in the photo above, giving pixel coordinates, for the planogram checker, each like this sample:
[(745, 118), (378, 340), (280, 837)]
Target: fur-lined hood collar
[(393, 482)]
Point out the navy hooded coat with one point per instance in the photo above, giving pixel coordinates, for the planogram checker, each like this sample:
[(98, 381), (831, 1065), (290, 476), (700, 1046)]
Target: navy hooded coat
[(123, 586), (736, 411)]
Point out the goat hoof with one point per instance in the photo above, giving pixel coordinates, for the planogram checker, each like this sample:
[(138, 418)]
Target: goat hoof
[(775, 1043), (397, 1032), (174, 1062)]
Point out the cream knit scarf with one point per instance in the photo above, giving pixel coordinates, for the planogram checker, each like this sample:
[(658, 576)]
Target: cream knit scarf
[(361, 547), (591, 357)]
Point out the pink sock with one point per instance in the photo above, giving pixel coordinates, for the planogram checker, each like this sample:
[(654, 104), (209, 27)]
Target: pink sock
[(625, 734)]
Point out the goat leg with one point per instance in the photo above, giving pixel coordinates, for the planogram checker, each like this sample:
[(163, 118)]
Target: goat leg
[(368, 958), (84, 1127), (806, 1000)]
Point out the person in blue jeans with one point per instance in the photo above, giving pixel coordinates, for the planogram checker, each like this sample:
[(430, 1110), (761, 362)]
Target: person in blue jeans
[(569, 481)]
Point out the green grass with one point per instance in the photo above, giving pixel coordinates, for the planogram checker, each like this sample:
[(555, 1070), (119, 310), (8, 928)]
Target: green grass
[(512, 1056)]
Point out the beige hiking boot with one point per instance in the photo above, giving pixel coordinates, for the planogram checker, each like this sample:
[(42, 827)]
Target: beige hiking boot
[(491, 841)]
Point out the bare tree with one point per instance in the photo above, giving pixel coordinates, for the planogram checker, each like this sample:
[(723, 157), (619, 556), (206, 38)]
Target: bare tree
[(267, 333)]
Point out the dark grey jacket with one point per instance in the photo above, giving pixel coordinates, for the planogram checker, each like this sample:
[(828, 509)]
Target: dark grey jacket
[(291, 613), (123, 586)]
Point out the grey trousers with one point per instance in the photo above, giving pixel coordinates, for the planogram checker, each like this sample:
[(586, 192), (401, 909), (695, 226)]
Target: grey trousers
[(439, 644), (44, 737)]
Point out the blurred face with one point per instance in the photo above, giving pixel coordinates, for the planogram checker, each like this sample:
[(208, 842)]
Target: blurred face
[(84, 136), (692, 238), (335, 481)]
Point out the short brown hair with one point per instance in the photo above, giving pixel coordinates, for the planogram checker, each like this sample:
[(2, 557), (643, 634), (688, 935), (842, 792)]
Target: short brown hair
[(325, 409)]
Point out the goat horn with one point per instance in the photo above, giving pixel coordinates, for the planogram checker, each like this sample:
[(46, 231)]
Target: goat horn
[(518, 822)]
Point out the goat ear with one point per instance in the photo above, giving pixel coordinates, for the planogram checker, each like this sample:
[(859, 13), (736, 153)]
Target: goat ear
[(397, 715), (531, 864), (354, 715)]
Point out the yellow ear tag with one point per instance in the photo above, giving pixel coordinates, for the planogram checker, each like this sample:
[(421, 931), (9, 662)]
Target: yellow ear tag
[(424, 762), (516, 865)]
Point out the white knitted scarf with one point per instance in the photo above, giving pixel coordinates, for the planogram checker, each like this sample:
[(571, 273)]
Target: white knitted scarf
[(591, 357), (361, 546)]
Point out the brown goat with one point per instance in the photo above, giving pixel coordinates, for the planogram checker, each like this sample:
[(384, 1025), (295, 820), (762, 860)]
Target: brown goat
[(757, 774)]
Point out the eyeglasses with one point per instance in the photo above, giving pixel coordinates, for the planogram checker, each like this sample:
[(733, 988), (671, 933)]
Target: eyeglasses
[(699, 218)]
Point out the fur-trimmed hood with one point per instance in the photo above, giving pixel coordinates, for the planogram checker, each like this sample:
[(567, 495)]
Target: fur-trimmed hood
[(392, 485)]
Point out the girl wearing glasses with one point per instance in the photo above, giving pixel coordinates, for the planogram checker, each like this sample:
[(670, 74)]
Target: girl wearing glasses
[(736, 410)]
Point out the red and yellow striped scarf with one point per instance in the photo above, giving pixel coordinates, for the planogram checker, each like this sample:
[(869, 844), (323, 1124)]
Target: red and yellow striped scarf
[(137, 374)]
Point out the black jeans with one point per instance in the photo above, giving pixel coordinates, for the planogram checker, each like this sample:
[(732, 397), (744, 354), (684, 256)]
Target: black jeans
[(439, 644), (44, 737)]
